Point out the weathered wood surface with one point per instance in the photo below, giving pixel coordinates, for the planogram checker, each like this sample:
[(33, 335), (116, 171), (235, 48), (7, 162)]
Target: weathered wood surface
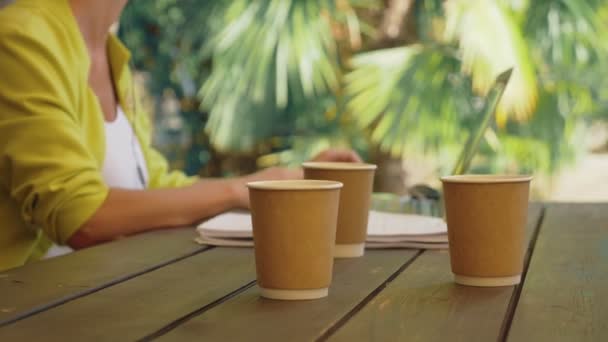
[(161, 285), (247, 317), (132, 309), (424, 304), (565, 295), (40, 285)]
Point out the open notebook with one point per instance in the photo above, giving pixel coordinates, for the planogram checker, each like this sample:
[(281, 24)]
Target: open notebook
[(385, 230)]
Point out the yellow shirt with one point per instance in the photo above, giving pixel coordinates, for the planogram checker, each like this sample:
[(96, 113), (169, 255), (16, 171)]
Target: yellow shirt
[(52, 129)]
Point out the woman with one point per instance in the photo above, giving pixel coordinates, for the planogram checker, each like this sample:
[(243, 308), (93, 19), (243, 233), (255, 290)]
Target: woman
[(76, 166)]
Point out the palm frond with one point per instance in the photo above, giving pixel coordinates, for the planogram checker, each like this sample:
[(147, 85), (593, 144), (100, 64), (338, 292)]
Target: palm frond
[(550, 140), (267, 56), (413, 96), (571, 40), (490, 42)]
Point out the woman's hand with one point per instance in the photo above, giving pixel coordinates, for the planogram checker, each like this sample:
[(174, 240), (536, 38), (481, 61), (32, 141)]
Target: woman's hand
[(273, 173), (338, 155), (282, 173)]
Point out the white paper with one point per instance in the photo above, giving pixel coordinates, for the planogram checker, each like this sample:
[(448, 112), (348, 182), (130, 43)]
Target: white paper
[(385, 230), (437, 238), (393, 225), (203, 240), (233, 224), (406, 244)]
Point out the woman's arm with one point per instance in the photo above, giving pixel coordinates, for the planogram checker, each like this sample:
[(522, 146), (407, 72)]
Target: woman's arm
[(127, 212)]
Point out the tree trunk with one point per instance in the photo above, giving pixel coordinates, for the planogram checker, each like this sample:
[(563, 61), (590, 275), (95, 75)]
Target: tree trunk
[(390, 175)]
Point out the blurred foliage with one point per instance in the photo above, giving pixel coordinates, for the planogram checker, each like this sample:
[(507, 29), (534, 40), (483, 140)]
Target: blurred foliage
[(286, 78), (269, 72), (538, 123), (164, 44)]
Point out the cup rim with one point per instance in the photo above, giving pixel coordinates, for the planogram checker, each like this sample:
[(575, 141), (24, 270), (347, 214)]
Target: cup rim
[(343, 166), (300, 184), (486, 179)]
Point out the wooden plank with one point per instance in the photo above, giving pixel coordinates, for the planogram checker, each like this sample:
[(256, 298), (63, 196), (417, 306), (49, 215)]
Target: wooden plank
[(424, 304), (135, 308), (565, 296), (38, 286), (248, 317)]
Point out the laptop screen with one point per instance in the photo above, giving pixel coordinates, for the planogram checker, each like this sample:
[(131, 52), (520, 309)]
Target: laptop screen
[(488, 113)]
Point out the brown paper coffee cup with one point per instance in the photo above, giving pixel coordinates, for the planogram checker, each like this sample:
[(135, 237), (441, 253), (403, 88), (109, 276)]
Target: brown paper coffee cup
[(355, 197), (294, 229), (486, 217)]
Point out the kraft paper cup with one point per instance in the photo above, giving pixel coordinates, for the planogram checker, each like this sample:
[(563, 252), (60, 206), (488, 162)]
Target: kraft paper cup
[(294, 229), (355, 197), (486, 217)]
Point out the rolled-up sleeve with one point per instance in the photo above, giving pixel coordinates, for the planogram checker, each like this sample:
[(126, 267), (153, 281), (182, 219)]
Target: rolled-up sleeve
[(45, 164)]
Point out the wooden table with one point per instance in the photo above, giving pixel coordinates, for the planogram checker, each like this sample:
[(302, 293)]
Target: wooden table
[(163, 286)]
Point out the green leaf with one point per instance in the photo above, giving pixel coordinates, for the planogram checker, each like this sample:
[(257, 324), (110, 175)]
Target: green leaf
[(398, 90), (270, 55), (490, 42)]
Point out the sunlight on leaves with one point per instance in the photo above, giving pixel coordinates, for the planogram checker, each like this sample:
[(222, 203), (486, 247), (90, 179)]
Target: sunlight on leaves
[(491, 42)]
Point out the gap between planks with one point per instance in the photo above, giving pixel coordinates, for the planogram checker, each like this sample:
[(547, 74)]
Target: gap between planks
[(331, 330), (71, 297), (506, 324), (167, 328)]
